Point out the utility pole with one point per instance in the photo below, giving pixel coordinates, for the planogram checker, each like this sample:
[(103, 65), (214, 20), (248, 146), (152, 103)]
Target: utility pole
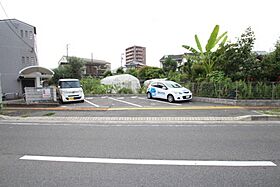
[(67, 46), (121, 58)]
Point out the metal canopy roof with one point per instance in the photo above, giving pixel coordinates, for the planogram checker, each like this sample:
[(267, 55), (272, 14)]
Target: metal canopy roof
[(35, 71)]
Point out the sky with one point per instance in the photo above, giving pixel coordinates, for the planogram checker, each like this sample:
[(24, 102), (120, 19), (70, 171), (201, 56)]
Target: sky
[(105, 28)]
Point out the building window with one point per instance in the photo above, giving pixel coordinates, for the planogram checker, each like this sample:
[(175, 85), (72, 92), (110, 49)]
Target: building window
[(26, 34), (27, 59), (32, 61), (21, 33), (23, 59), (30, 35)]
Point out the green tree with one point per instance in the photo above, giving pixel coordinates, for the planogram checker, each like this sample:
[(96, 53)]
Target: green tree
[(169, 65), (120, 71), (133, 72), (204, 56), (198, 72), (147, 72), (236, 60), (187, 67), (72, 70), (271, 64), (76, 67)]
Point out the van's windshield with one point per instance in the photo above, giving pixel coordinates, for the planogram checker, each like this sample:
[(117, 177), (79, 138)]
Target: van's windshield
[(69, 84)]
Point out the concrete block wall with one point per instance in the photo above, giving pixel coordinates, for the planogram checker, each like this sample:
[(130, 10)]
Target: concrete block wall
[(1, 104), (238, 102), (40, 95)]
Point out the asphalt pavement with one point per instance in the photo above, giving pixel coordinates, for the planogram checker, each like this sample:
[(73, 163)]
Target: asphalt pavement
[(132, 106), (133, 141), (193, 142)]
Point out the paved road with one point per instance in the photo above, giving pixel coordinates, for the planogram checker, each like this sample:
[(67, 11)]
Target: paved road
[(239, 141)]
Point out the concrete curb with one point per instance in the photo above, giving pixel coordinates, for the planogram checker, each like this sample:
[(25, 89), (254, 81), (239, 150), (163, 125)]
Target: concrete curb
[(139, 119), (261, 118)]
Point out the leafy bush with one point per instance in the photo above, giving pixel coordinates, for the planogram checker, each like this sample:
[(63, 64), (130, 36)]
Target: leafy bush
[(93, 86), (125, 91)]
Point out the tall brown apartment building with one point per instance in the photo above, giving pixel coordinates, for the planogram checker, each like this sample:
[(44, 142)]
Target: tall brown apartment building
[(135, 55)]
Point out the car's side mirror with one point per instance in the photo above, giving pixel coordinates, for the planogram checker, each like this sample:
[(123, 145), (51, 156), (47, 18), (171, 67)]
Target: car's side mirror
[(58, 86), (81, 86)]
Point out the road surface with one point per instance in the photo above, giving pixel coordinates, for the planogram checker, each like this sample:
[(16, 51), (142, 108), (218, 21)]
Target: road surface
[(186, 154)]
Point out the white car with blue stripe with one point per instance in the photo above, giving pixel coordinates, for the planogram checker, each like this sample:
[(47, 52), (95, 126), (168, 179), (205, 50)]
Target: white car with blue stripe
[(169, 90)]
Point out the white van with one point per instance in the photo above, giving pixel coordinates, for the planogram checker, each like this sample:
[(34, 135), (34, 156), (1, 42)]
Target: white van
[(70, 90)]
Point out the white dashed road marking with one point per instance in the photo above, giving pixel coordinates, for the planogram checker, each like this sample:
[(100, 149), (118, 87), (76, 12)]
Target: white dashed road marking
[(124, 102), (92, 103), (152, 162)]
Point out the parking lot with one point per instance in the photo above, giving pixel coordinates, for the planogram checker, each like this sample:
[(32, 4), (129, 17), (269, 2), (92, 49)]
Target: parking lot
[(133, 106), (130, 102)]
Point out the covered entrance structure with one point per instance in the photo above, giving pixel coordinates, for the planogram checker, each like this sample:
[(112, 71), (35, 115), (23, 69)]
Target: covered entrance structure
[(34, 76), (32, 80)]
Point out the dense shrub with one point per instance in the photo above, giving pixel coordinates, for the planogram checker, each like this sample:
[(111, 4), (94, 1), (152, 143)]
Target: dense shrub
[(236, 90), (93, 86)]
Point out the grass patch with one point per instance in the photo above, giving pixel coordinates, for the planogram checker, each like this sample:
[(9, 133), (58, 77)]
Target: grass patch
[(49, 114), (272, 112)]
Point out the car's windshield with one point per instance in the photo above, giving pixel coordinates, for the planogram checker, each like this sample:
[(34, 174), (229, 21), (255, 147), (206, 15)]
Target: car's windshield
[(171, 84), (70, 84)]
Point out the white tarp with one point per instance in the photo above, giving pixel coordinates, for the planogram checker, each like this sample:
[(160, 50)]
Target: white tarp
[(123, 81)]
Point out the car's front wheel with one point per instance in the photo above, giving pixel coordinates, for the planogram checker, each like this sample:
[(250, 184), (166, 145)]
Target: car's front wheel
[(149, 95), (170, 98)]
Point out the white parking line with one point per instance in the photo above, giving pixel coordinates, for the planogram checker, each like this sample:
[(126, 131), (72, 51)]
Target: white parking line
[(124, 102), (92, 103), (165, 102), (152, 162)]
